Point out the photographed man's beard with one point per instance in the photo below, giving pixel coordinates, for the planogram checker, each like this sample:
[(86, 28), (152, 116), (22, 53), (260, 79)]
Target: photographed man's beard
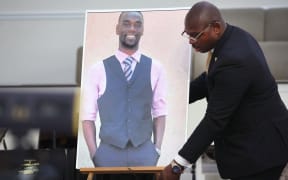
[(130, 42), (129, 46)]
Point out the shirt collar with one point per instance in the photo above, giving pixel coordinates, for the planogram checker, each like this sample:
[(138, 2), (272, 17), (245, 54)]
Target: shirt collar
[(121, 56)]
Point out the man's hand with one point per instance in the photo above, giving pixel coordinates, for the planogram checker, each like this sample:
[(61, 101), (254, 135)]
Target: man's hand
[(167, 174)]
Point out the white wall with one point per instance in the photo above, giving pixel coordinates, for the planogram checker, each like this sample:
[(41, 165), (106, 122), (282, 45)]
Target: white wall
[(76, 5), (40, 39)]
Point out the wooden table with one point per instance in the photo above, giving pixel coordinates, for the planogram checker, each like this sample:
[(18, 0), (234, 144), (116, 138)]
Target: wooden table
[(122, 170)]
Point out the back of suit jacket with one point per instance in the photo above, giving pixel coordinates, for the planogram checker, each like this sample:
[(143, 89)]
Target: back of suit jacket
[(245, 115)]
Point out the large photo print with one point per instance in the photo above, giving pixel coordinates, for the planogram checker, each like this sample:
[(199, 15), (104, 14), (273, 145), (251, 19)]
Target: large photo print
[(134, 88)]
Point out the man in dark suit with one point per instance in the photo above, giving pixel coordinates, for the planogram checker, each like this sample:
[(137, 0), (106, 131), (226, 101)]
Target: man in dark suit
[(245, 116)]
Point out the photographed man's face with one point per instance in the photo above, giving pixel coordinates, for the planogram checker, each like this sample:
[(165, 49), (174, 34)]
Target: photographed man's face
[(130, 29)]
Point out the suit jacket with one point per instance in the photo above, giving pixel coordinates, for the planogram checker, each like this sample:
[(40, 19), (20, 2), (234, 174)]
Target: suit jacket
[(245, 115)]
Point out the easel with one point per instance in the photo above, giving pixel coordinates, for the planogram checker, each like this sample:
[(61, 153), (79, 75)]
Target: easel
[(3, 132), (122, 170)]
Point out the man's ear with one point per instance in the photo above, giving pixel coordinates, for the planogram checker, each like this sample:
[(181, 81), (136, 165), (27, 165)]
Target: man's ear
[(217, 27)]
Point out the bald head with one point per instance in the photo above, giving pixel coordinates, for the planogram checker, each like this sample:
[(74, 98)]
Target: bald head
[(125, 13), (203, 13), (204, 25)]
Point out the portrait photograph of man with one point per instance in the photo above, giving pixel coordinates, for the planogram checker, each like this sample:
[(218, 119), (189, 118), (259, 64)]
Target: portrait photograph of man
[(134, 88)]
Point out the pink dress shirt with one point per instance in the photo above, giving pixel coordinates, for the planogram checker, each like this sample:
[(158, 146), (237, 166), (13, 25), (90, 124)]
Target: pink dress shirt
[(94, 86)]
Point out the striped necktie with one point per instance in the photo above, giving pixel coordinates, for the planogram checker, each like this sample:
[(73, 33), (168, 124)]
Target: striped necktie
[(128, 68)]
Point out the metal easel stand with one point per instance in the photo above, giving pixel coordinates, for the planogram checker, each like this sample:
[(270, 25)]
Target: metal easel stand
[(3, 132), (193, 171)]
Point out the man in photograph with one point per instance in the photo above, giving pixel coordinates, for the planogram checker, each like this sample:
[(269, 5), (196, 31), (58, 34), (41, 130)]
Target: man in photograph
[(128, 90)]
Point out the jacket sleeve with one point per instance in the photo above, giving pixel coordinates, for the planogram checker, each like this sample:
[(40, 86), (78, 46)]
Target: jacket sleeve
[(227, 86)]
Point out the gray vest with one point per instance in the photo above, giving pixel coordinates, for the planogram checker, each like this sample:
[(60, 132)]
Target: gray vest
[(125, 107)]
